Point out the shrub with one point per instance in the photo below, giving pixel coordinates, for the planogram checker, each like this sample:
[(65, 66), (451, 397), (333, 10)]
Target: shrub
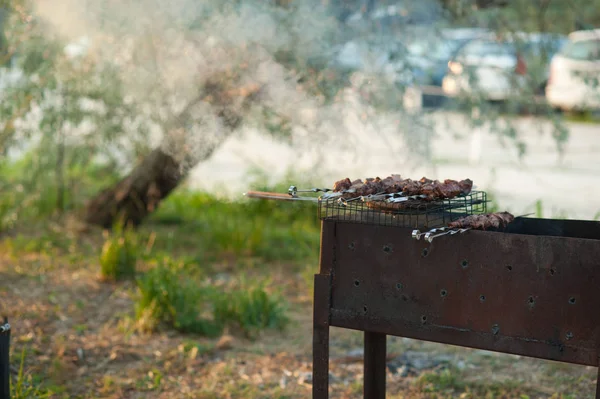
[(174, 299), (166, 297), (119, 254), (251, 308)]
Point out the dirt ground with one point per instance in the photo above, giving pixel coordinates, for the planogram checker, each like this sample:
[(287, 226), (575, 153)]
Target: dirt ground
[(79, 342)]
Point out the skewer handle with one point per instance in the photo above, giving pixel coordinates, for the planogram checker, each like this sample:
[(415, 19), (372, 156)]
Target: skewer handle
[(268, 195)]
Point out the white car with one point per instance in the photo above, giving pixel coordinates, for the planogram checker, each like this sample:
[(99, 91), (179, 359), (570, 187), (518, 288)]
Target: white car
[(483, 67), (498, 69), (574, 73)]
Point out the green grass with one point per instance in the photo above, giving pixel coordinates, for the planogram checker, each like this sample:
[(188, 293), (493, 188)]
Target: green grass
[(28, 386), (450, 381), (47, 242), (119, 254), (271, 230), (583, 117), (168, 296), (251, 308)]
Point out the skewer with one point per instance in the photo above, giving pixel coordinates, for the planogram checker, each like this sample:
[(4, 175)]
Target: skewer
[(405, 198), (293, 190), (416, 234), (429, 236), (277, 196), (337, 193), (344, 201)]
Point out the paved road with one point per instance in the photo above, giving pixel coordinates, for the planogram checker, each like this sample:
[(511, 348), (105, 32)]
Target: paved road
[(570, 185)]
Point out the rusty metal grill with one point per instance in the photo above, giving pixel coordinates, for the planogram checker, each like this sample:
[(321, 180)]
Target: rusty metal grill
[(415, 213), (530, 289)]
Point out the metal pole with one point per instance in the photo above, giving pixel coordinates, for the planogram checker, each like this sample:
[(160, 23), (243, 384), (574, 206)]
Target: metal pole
[(5, 360), (374, 365)]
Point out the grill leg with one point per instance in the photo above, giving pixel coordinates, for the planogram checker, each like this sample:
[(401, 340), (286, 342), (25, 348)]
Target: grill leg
[(598, 381), (374, 365), (320, 383)]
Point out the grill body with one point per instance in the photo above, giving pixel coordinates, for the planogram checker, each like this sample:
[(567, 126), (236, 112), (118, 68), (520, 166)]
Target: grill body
[(531, 290)]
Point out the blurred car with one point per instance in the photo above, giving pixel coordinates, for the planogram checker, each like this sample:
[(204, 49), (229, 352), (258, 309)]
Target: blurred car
[(415, 56), (574, 73), (428, 54), (498, 68), (398, 14)]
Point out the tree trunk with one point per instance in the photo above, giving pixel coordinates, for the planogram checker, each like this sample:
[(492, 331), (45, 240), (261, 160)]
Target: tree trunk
[(138, 194)]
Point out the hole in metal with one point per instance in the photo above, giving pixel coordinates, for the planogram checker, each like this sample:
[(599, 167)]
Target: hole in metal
[(552, 271), (464, 264), (572, 300), (569, 335), (424, 252), (530, 300), (399, 286), (509, 268), (443, 293), (356, 283), (482, 298), (495, 329), (365, 308), (423, 319), (387, 249), (351, 246)]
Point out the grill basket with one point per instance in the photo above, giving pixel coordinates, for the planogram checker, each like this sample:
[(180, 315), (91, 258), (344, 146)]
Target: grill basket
[(417, 214)]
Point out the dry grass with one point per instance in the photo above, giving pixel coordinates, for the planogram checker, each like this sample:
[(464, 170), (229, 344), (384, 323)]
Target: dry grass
[(80, 342)]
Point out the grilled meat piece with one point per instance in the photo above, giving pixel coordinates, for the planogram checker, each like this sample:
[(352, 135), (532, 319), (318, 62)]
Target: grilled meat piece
[(484, 221), (449, 189), (466, 186), (411, 187), (342, 185)]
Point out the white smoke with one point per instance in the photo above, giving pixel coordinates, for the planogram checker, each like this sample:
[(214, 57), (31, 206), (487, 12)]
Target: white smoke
[(166, 51)]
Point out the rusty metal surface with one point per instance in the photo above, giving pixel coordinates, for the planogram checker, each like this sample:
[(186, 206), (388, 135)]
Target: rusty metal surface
[(328, 248), (556, 227), (374, 365), (531, 295)]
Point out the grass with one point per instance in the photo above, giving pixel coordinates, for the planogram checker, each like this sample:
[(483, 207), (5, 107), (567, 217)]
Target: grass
[(583, 117), (27, 386), (119, 254), (452, 382), (266, 229), (168, 296), (251, 308)]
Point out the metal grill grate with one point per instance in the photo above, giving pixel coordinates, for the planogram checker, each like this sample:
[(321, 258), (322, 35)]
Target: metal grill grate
[(417, 214)]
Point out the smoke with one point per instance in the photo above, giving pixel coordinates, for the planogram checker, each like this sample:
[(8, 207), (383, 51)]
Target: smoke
[(169, 54)]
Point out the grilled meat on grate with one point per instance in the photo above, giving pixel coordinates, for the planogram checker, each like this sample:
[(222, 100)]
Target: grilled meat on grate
[(431, 189)]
